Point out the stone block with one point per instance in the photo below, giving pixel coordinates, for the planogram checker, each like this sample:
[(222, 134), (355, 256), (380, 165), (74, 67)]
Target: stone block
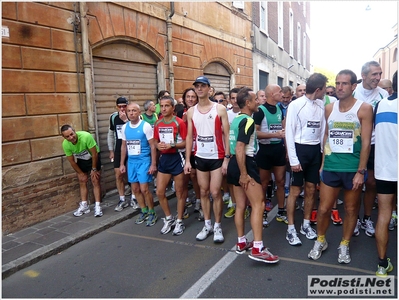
[(38, 104), (64, 40), (47, 147), (41, 59), (15, 153), (161, 45), (27, 34), (95, 34), (14, 129), (27, 81), (73, 120), (130, 17), (9, 10), (68, 83), (101, 12), (116, 15), (142, 28), (11, 56), (13, 105)]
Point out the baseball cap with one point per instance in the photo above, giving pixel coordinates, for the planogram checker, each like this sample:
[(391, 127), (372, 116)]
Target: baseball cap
[(202, 79), (122, 100)]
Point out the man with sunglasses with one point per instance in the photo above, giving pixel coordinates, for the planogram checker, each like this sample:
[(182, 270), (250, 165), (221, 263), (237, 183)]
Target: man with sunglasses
[(220, 98), (114, 139)]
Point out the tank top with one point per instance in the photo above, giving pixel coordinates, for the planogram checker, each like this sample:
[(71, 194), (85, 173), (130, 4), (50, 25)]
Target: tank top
[(271, 123), (246, 122), (137, 144), (209, 135), (343, 145)]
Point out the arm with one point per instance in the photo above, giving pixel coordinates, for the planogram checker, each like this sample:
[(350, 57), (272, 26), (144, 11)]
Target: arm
[(327, 113), (240, 156), (189, 140), (290, 139), (226, 135), (122, 167), (153, 167), (94, 158), (111, 143)]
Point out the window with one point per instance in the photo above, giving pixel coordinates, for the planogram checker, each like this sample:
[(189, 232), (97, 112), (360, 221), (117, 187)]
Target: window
[(280, 16), (291, 83), (298, 47), (263, 79), (238, 4), (291, 24), (280, 81), (304, 50), (263, 16)]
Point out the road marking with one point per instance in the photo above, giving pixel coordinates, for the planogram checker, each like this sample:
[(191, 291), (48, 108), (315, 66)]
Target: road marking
[(31, 273)]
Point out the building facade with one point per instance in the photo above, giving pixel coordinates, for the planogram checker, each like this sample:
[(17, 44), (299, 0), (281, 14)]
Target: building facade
[(387, 56)]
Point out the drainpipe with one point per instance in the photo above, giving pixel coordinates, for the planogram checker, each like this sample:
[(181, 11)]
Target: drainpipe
[(170, 49), (75, 40), (87, 68)]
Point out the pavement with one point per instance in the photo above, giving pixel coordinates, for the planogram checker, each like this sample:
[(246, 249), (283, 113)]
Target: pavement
[(32, 244)]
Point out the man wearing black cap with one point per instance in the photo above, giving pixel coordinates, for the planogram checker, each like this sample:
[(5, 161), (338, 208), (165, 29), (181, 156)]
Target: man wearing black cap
[(212, 153), (114, 139)]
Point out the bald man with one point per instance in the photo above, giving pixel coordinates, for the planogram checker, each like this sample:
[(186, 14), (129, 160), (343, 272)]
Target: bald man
[(271, 155), (300, 91), (386, 84)]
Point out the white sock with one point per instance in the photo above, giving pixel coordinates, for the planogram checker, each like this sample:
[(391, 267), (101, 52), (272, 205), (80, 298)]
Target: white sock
[(306, 223), (242, 239), (97, 204), (291, 227), (208, 223), (122, 198), (84, 203), (258, 245), (217, 225)]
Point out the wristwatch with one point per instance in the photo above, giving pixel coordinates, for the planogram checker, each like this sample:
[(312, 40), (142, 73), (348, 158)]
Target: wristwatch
[(94, 169), (227, 156), (362, 171), (173, 145)]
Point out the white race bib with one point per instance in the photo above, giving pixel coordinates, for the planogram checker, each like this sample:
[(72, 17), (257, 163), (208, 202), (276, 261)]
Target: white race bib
[(85, 155), (205, 144), (119, 131), (341, 140), (166, 134), (313, 130), (133, 147)]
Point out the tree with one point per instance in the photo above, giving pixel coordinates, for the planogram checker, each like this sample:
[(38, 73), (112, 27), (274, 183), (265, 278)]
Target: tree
[(329, 74)]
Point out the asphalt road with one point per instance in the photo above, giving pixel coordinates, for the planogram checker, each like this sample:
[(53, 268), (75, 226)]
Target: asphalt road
[(135, 261)]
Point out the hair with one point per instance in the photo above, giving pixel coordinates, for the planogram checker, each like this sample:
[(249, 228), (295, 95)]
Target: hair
[(179, 109), (172, 101), (185, 93), (350, 73), (286, 89), (66, 127), (331, 87), (314, 82), (161, 94), (243, 95), (233, 91), (220, 93), (395, 81), (147, 104), (367, 65)]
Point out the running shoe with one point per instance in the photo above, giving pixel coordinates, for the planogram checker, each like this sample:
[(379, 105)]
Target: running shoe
[(185, 214), (309, 232), (179, 228), (313, 217), (218, 235), (343, 254), (204, 233), (128, 191), (83, 209), (282, 217), (152, 219), (264, 256), (98, 212), (265, 222), (375, 203), (302, 194), (226, 199), (368, 227), (286, 192), (167, 225), (356, 231), (292, 238), (318, 248), (141, 218), (188, 202), (230, 212), (121, 205), (336, 219), (268, 206), (197, 206), (247, 213), (383, 272), (393, 222), (201, 215), (134, 204), (241, 248)]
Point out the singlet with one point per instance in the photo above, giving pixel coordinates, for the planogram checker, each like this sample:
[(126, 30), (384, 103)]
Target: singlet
[(386, 139), (151, 120), (137, 137), (242, 129), (174, 131), (305, 124), (371, 97), (269, 122), (231, 115), (344, 142), (81, 149), (115, 124), (209, 134)]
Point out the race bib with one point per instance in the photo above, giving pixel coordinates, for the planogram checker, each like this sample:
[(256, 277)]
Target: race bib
[(205, 144), (119, 131), (313, 130), (273, 128), (85, 155), (166, 134), (341, 140), (133, 147)]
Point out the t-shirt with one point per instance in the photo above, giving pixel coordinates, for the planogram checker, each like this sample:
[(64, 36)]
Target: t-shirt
[(242, 129), (115, 124), (174, 131), (150, 119), (81, 149)]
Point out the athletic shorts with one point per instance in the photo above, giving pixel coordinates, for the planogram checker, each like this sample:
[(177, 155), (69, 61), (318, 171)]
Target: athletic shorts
[(207, 165), (137, 171), (87, 165), (370, 161), (233, 172), (271, 155), (386, 187), (117, 159), (310, 159), (339, 179), (171, 163)]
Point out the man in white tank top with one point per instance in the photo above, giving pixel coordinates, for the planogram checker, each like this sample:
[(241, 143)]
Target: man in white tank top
[(209, 122)]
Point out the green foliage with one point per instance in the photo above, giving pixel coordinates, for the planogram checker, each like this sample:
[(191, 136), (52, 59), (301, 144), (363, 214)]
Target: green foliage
[(329, 74)]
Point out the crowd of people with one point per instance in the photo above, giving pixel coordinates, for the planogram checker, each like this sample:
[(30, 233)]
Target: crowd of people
[(315, 141)]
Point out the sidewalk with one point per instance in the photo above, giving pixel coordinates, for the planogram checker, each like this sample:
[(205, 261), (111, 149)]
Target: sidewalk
[(30, 245)]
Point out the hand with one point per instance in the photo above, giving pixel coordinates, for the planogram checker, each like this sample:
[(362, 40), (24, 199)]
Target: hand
[(122, 116), (94, 175), (225, 165), (281, 134), (297, 168), (187, 167), (122, 169), (244, 181), (152, 170), (162, 146), (357, 181)]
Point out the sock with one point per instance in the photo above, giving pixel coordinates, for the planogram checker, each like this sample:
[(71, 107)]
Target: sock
[(122, 198), (242, 239), (291, 227), (281, 211), (217, 225), (383, 262), (133, 197), (169, 218), (179, 220), (97, 204), (321, 238), (84, 203), (258, 245), (230, 203), (306, 223), (208, 223), (144, 210), (344, 242), (226, 195)]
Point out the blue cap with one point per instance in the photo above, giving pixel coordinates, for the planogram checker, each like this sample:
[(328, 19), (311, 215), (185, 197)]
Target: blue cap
[(202, 79)]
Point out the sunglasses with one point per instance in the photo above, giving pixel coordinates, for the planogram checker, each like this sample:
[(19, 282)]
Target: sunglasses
[(330, 93), (221, 100), (122, 106)]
